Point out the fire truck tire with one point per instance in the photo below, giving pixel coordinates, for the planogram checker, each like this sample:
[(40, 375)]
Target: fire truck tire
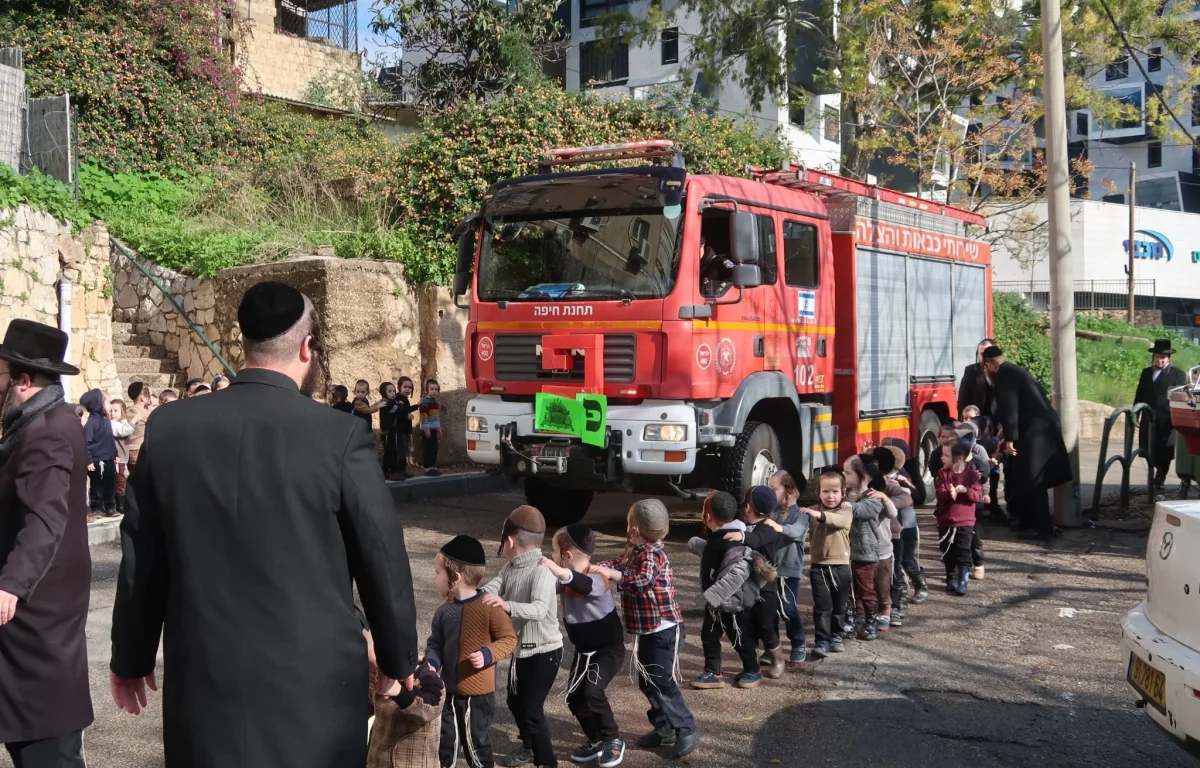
[(931, 423), (753, 459), (559, 506)]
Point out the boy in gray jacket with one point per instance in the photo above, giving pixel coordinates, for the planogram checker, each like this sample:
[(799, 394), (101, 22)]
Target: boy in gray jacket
[(868, 503), (792, 526)]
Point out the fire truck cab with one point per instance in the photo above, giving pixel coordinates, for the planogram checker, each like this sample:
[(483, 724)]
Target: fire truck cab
[(736, 326)]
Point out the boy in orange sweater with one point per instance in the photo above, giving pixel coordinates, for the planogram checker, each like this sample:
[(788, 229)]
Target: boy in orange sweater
[(468, 639)]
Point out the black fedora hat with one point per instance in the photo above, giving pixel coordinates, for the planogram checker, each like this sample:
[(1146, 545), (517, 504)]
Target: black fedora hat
[(37, 347), (1162, 347)]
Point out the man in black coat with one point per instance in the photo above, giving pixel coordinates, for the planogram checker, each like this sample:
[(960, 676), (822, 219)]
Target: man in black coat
[(1152, 389), (45, 564), (250, 517), (974, 389), (1033, 440)]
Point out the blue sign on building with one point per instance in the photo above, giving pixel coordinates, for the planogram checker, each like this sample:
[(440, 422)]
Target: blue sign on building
[(1156, 247)]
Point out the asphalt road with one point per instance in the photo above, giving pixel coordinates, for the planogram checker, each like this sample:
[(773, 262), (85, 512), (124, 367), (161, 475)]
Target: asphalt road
[(1025, 671)]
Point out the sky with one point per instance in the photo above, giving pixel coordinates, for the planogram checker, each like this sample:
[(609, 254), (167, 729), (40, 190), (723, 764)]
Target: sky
[(368, 41)]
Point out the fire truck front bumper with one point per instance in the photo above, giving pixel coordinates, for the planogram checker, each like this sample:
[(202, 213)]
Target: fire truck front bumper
[(657, 437)]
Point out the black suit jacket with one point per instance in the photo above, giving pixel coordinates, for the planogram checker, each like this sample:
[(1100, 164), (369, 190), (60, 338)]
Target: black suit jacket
[(1154, 393), (250, 516), (975, 390), (1032, 424)]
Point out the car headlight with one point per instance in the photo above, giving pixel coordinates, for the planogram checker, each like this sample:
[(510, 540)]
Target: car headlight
[(668, 433), (476, 424)]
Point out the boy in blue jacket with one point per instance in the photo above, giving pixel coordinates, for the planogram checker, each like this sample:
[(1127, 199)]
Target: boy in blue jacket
[(101, 456)]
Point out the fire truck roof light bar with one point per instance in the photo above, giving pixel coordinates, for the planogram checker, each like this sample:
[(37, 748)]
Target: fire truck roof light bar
[(834, 187), (657, 149)]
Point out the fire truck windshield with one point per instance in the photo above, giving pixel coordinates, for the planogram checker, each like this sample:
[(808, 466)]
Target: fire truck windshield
[(613, 254)]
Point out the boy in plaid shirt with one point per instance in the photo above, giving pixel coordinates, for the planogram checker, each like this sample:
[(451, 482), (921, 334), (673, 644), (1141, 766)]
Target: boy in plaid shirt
[(648, 601)]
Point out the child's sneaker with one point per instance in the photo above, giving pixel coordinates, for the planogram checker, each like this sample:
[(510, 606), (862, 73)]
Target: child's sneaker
[(613, 753), (708, 681), (897, 620), (587, 752), (516, 759), (687, 742), (663, 737), (749, 679), (837, 644), (883, 623), (798, 655), (977, 573), (432, 472), (867, 631), (820, 650)]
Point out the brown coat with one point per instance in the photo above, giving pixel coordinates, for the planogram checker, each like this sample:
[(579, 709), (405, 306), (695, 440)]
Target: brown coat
[(831, 537), (408, 728), (45, 562)]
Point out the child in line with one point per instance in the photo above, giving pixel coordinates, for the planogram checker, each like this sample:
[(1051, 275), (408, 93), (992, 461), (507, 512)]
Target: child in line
[(526, 592), (389, 408), (404, 427), (759, 504), (866, 550), (469, 636), (339, 399), (122, 431), (829, 574), (431, 427), (101, 456), (958, 490), (904, 542), (896, 608), (362, 401), (589, 610), (792, 526), (653, 616), (167, 396), (981, 461), (406, 728), (719, 516), (947, 436)]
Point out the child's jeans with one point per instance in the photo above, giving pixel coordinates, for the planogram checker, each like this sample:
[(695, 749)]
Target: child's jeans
[(763, 618), (866, 601), (102, 491), (791, 609), (657, 657), (830, 587), (467, 720), (883, 586), (908, 556), (529, 683), (403, 449), (976, 546), (590, 675), (391, 453), (955, 546), (429, 450), (735, 626)]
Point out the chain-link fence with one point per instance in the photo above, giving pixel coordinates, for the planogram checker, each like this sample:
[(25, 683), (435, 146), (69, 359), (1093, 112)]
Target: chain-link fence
[(35, 133)]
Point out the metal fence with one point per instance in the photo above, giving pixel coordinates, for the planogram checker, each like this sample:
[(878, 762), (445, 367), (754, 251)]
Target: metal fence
[(1089, 294), (35, 133), (331, 21)]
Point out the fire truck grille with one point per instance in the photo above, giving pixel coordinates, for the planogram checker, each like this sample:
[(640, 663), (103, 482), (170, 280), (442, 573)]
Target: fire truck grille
[(517, 359)]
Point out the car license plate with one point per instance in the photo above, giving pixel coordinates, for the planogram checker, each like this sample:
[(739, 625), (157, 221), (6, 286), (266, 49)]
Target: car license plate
[(1149, 681)]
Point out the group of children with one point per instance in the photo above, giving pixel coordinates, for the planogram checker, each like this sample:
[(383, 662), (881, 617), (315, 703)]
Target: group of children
[(395, 411)]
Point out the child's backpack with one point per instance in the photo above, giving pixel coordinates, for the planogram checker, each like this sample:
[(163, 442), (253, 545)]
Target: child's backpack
[(740, 581)]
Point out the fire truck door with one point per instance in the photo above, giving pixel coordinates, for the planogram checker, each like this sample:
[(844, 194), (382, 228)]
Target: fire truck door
[(809, 347)]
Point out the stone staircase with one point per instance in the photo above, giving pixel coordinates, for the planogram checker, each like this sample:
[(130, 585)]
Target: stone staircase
[(139, 359)]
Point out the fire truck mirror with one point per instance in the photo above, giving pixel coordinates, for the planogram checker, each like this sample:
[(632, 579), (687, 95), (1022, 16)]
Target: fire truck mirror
[(747, 276), (466, 262), (743, 238)]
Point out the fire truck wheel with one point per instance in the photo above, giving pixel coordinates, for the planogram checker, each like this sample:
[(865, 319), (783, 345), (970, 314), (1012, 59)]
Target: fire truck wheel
[(559, 506), (752, 460), (930, 424)]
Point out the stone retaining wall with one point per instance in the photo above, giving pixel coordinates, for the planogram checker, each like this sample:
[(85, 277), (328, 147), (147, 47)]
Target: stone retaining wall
[(35, 251)]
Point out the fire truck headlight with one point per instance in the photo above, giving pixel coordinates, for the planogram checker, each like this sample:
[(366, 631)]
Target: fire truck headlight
[(476, 424), (668, 433)]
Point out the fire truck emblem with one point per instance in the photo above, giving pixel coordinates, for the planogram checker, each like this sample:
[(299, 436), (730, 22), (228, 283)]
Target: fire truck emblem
[(485, 348), (558, 418), (703, 356), (726, 357), (804, 347)]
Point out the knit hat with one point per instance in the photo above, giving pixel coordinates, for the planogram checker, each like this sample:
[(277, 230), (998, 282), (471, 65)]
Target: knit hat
[(466, 550), (722, 506), (992, 352), (763, 500), (525, 518), (651, 515), (886, 459), (581, 537)]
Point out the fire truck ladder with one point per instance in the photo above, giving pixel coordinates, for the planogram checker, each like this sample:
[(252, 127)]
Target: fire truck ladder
[(656, 149)]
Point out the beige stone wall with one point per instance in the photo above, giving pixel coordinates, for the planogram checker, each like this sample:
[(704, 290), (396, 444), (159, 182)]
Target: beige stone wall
[(35, 250), (443, 354), (1142, 318), (280, 65)]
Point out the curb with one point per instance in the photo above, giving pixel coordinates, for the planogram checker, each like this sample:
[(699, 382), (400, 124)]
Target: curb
[(465, 484), (104, 531)]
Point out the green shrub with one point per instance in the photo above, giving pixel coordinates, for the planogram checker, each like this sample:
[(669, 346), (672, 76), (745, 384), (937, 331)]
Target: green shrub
[(1021, 333), (40, 192)]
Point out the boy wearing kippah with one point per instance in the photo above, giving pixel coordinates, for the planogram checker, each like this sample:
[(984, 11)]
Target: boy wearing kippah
[(590, 612), (526, 591), (468, 638), (653, 616)]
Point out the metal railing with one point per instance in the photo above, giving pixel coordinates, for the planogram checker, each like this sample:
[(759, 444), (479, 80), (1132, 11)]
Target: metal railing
[(331, 21), (1125, 459), (1089, 294), (154, 281)]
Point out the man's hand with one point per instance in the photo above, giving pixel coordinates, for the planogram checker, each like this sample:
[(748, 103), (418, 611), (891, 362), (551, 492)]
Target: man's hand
[(477, 660), (1010, 449), (8, 607), (774, 526), (130, 695), (490, 599), (91, 467), (387, 686)]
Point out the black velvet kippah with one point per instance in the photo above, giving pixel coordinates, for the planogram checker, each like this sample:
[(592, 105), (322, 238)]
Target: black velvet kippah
[(991, 353), (465, 550), (269, 309)]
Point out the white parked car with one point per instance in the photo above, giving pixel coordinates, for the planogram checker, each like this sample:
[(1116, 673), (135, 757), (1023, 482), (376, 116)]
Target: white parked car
[(1160, 637)]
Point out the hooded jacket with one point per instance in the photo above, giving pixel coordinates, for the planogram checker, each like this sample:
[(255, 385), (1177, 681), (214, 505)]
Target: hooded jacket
[(101, 445)]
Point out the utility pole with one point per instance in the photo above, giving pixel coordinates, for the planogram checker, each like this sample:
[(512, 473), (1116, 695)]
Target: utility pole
[(1062, 279), (1132, 229)]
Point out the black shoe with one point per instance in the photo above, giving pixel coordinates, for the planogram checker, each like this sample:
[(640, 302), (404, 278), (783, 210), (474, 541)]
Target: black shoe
[(613, 754), (663, 737), (686, 743), (586, 753), (516, 759)]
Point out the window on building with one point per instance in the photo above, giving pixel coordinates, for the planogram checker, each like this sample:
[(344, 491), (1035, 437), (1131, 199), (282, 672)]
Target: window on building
[(332, 21), (590, 10), (670, 45), (1118, 70), (833, 124), (768, 249), (1154, 154), (1196, 106), (796, 112), (606, 65), (1081, 123), (1154, 60), (799, 254)]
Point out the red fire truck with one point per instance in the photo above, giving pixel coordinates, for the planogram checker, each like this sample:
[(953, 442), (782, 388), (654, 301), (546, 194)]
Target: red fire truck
[(736, 326)]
